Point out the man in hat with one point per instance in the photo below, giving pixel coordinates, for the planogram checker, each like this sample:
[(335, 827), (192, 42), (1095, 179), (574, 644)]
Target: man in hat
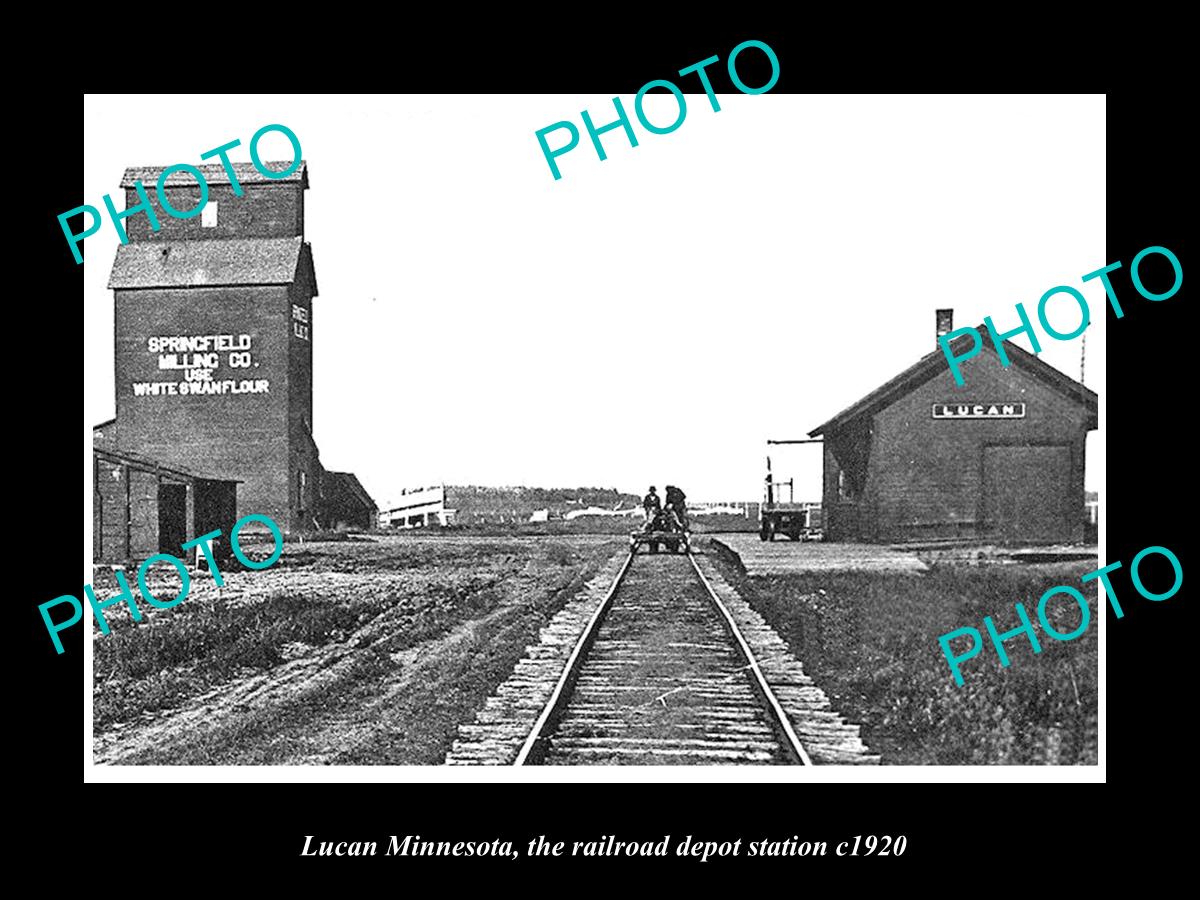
[(652, 506)]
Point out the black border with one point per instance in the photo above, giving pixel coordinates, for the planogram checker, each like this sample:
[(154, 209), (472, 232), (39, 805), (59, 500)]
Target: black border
[(948, 826)]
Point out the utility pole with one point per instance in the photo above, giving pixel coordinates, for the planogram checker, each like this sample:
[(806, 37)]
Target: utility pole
[(1082, 356)]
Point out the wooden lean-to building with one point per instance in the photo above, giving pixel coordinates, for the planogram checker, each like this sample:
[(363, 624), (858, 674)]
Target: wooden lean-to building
[(999, 459), (141, 507)]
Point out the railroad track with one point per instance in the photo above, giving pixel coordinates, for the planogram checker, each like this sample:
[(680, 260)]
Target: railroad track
[(669, 667)]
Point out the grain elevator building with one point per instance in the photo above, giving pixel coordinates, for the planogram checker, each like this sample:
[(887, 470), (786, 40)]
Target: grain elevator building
[(214, 331)]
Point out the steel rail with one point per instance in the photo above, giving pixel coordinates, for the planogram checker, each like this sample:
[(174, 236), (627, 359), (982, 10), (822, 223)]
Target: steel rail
[(559, 695), (773, 704), (569, 669)]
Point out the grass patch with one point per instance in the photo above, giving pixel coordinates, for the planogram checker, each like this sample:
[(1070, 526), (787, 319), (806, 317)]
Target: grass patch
[(174, 654), (377, 669), (870, 641)]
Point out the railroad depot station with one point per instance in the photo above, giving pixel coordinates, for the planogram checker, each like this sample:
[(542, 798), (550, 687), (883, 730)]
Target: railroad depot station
[(214, 331), (999, 459)]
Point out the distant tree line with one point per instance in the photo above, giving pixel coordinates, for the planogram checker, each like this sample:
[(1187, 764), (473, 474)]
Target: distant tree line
[(478, 499)]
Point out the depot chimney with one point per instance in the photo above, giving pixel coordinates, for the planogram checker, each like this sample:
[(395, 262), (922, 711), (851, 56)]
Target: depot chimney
[(945, 322)]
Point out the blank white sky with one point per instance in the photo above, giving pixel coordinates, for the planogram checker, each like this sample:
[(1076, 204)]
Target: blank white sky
[(745, 277)]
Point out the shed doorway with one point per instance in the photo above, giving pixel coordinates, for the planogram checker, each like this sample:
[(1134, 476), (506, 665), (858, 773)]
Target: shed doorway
[(172, 517)]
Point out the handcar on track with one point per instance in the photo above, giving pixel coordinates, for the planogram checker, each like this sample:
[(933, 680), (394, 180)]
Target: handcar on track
[(664, 530)]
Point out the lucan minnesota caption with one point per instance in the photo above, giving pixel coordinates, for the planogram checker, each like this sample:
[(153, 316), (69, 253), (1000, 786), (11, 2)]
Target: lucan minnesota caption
[(609, 845)]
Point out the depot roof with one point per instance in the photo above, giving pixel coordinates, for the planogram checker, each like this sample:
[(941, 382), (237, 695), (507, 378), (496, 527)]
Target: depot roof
[(934, 363), (216, 174), (212, 263)]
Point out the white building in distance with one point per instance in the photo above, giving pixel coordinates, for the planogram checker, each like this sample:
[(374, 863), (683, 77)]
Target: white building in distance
[(418, 508)]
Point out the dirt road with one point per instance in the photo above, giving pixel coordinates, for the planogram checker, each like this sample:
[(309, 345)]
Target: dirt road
[(357, 652)]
